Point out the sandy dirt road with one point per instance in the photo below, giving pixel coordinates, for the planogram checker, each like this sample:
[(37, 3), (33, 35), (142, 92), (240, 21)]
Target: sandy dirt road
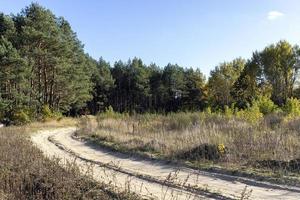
[(154, 179)]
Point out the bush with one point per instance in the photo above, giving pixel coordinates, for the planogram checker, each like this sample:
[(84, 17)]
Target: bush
[(292, 107), (46, 112), (208, 111), (251, 114), (21, 116), (229, 111), (265, 104)]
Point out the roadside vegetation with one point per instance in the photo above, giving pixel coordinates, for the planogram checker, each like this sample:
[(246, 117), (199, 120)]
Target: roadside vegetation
[(261, 141), (28, 174)]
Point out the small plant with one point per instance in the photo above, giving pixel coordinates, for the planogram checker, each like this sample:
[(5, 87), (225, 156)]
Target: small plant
[(221, 148), (110, 111), (208, 111), (245, 194)]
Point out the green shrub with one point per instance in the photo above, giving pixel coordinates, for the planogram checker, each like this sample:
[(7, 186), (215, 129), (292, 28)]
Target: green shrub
[(21, 117), (292, 107), (46, 112), (109, 111), (229, 111), (208, 111), (251, 114), (265, 104)]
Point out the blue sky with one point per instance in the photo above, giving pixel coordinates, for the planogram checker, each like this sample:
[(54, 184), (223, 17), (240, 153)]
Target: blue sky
[(192, 33)]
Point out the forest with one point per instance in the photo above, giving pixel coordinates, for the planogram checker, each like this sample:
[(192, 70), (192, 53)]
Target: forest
[(45, 71)]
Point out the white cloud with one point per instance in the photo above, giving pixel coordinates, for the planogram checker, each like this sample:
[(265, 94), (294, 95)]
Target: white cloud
[(273, 15)]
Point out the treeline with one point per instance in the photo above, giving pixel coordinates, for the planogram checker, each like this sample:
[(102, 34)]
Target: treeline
[(135, 87), (45, 69)]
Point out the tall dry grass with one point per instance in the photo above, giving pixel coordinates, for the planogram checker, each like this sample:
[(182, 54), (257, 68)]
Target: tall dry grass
[(26, 174), (272, 143)]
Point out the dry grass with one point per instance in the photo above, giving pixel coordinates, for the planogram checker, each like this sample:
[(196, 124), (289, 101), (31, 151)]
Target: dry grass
[(273, 144), (50, 123), (26, 174)]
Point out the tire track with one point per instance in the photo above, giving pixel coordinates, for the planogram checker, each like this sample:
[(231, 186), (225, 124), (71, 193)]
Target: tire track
[(155, 179)]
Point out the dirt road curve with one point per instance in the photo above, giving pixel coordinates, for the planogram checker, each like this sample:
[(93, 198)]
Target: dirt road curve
[(153, 179)]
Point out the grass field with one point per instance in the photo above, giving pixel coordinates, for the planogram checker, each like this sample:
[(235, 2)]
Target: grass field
[(267, 149), (25, 173)]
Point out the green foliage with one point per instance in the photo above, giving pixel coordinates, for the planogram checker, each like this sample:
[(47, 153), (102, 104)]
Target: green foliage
[(44, 64), (221, 81), (46, 112), (196, 97), (265, 104), (246, 87), (21, 116), (103, 87), (110, 111), (132, 86), (251, 114), (292, 107), (260, 107), (279, 63), (208, 110), (229, 112)]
